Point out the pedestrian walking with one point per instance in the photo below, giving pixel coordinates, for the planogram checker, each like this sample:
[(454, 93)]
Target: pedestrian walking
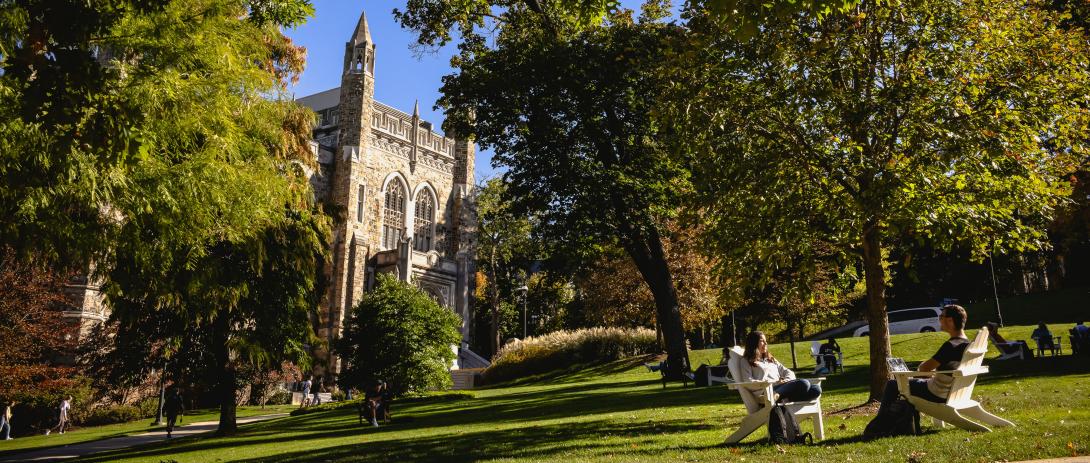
[(5, 420), (62, 418), (306, 393), (173, 407)]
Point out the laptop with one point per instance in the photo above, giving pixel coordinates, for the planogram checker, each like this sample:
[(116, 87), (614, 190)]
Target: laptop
[(896, 364)]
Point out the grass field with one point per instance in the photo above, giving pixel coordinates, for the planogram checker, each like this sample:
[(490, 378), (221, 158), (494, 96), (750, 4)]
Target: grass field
[(87, 434), (620, 412)]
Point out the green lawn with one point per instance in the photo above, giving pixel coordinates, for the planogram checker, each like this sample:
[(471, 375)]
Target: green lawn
[(87, 434), (620, 412)]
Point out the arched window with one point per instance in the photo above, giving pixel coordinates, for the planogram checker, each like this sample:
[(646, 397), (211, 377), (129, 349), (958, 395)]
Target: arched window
[(424, 225), (393, 215)]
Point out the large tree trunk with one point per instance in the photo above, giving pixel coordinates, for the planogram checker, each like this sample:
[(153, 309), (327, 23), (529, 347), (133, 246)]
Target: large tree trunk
[(875, 277), (495, 296), (650, 259), (225, 390)]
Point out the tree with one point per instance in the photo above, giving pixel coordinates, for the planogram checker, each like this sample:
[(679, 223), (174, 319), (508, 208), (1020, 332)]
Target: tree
[(931, 121), (116, 110), (566, 113), (241, 306), (505, 250), (616, 295), (398, 334), (32, 325)]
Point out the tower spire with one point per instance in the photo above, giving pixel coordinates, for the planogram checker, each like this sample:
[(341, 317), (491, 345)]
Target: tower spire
[(362, 34), (416, 108)]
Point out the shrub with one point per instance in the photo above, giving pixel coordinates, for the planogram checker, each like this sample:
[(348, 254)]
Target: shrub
[(113, 414), (38, 407), (561, 349), (149, 406), (398, 334), (281, 397)]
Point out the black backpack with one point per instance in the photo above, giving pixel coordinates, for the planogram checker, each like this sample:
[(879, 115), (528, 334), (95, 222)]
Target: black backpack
[(784, 429), (899, 419)]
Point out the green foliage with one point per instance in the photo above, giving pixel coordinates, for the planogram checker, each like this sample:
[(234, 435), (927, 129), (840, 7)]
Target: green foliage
[(567, 113), (122, 112), (828, 143), (436, 22), (111, 414), (38, 407), (398, 334), (561, 350), (351, 404)]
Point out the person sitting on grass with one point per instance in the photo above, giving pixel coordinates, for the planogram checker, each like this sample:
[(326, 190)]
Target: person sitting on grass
[(936, 388), (759, 365), (376, 403)]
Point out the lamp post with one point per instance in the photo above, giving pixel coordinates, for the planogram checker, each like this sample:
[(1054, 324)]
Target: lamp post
[(525, 295)]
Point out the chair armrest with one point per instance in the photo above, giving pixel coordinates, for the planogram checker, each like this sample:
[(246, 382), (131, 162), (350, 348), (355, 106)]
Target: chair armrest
[(967, 372), (817, 380), (920, 374), (749, 383)]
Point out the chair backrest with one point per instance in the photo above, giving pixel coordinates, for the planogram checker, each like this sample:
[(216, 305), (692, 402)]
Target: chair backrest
[(735, 367), (962, 388), (815, 348)]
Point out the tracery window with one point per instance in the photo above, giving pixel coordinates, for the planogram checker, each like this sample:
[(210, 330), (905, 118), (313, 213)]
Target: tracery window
[(393, 215), (424, 223)]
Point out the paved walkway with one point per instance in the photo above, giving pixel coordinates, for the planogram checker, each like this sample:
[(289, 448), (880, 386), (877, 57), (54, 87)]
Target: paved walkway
[(117, 443)]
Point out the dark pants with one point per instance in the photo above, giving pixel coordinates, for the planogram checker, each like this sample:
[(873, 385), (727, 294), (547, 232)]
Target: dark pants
[(171, 419), (798, 390), (917, 386)]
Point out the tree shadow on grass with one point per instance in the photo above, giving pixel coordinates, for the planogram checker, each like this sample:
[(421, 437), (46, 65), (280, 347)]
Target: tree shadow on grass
[(536, 442)]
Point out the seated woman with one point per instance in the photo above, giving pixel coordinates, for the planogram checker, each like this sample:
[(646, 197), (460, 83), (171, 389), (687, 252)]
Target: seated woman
[(1044, 337), (758, 364)]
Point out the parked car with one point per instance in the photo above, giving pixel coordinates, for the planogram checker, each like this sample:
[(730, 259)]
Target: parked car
[(904, 321)]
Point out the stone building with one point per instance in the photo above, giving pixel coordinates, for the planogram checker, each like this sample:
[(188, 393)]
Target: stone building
[(403, 189)]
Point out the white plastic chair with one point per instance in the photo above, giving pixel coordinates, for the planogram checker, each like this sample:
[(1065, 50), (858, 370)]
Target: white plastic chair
[(759, 407), (959, 406)]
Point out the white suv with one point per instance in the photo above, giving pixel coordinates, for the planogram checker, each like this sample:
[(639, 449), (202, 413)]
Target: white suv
[(918, 320)]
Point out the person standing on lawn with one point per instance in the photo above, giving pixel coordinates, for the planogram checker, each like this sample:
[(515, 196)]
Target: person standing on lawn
[(760, 365), (5, 420), (62, 418), (173, 407), (936, 388)]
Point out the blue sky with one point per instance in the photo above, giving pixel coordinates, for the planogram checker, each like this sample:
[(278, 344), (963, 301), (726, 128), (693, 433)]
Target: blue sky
[(401, 76)]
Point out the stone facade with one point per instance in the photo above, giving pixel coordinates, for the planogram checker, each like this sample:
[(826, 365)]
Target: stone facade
[(402, 187)]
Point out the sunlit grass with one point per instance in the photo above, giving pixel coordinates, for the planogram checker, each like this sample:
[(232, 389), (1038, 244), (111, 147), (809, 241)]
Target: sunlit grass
[(621, 412)]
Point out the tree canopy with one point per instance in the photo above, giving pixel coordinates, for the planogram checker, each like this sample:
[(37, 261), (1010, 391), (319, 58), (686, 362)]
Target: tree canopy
[(947, 123), (400, 335)]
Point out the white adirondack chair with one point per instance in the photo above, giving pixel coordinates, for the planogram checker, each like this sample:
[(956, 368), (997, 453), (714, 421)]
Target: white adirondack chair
[(819, 359), (959, 406), (759, 408)]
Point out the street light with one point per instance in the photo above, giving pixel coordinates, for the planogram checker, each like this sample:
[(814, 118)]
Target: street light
[(525, 293)]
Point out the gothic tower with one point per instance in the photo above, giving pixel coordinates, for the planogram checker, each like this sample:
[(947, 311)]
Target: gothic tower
[(357, 98)]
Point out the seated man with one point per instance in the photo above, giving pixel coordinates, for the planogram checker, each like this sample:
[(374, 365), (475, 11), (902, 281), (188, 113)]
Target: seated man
[(829, 352), (1080, 337), (948, 357), (758, 364)]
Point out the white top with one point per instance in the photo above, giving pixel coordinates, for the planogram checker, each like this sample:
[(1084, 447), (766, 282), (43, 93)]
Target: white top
[(773, 371), (64, 408)]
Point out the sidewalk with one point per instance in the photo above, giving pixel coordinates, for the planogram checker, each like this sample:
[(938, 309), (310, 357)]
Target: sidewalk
[(87, 448)]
